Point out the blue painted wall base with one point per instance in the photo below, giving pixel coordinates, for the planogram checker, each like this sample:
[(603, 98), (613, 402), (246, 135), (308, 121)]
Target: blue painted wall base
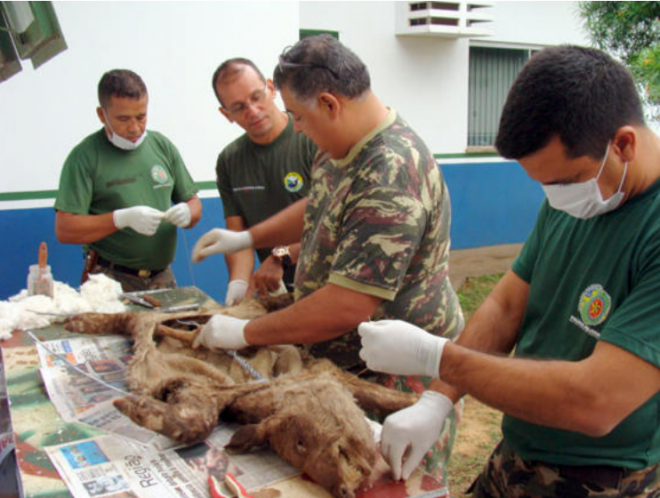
[(492, 203)]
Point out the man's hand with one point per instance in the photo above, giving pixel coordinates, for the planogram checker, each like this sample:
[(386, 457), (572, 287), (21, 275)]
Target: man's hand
[(235, 292), (409, 433), (220, 241), (222, 332), (397, 347), (268, 277), (179, 215), (142, 219)]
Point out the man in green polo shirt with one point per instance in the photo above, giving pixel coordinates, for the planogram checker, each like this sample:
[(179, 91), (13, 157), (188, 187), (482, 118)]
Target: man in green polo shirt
[(124, 191), (580, 307), (260, 173)]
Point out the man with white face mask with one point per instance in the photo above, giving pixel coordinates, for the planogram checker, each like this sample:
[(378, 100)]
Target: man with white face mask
[(124, 191), (579, 308)]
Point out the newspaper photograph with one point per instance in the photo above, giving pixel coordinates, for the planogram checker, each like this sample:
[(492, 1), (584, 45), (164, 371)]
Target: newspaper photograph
[(85, 394), (110, 466)]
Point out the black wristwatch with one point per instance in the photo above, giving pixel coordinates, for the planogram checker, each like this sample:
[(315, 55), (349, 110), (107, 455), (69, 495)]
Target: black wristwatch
[(282, 254)]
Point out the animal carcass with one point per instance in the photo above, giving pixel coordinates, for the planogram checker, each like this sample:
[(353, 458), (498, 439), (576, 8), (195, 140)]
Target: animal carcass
[(310, 412)]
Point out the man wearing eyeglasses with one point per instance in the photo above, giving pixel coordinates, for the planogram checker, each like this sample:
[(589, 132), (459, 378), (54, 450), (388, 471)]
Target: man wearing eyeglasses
[(375, 235), (260, 173)]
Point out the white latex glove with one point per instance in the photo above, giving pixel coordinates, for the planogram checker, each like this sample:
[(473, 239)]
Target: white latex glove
[(235, 292), (142, 219), (221, 241), (400, 348), (409, 433), (178, 215), (222, 332)]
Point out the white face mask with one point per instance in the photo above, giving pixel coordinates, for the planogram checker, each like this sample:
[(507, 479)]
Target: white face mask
[(121, 142), (584, 200)]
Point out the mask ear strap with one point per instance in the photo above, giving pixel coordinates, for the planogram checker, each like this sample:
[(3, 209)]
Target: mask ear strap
[(625, 171), (602, 165)]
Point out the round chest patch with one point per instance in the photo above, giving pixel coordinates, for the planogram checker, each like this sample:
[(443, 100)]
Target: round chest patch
[(158, 174), (594, 305), (293, 182)]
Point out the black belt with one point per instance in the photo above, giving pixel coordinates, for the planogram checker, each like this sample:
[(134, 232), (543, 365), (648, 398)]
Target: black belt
[(130, 271)]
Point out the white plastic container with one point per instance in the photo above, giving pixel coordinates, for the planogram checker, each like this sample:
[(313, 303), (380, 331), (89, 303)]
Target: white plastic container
[(40, 281)]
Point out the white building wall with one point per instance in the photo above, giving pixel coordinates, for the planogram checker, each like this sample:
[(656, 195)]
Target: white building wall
[(423, 78), (174, 46), (426, 77)]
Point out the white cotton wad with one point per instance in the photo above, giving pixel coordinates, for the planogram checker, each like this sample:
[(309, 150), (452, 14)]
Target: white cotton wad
[(100, 293)]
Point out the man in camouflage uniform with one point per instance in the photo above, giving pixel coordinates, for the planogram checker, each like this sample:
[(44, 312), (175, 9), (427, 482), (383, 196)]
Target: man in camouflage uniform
[(375, 233), (578, 311)]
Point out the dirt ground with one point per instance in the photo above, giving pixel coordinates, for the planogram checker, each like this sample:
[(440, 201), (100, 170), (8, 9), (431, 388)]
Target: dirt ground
[(479, 430)]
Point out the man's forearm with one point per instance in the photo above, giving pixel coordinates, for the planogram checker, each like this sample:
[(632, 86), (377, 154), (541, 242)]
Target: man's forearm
[(83, 229), (195, 206), (324, 315), (283, 228)]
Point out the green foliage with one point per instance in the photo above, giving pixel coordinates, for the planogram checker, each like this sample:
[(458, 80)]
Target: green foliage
[(474, 290), (631, 32)]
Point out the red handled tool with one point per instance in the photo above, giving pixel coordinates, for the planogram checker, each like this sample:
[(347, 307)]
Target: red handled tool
[(235, 488)]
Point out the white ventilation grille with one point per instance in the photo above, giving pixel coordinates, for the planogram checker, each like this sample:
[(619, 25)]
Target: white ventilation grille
[(450, 19)]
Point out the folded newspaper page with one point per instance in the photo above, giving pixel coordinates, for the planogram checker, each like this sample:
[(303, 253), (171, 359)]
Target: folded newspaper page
[(107, 465), (87, 399)]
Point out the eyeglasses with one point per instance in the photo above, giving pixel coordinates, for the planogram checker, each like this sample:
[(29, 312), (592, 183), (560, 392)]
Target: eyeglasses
[(256, 98), (297, 65)]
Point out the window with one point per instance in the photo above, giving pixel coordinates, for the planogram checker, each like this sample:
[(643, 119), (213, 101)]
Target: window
[(28, 30), (492, 71)]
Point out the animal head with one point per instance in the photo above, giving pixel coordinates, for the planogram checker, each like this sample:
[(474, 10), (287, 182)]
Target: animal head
[(320, 430)]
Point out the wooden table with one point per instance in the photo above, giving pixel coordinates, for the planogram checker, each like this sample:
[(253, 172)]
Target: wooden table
[(37, 424)]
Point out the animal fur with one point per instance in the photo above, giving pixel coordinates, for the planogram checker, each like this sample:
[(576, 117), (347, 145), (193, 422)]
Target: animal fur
[(310, 412)]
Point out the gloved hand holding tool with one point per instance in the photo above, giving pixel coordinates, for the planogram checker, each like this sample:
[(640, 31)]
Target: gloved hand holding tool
[(222, 332), (235, 292), (142, 219), (220, 241), (400, 348), (178, 215)]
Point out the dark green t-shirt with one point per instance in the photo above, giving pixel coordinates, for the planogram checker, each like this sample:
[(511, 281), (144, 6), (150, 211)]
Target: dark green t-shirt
[(256, 181), (590, 280), (98, 178)]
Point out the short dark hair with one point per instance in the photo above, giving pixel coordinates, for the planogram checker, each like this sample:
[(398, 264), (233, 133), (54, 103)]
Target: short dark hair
[(321, 64), (229, 69), (120, 83), (580, 94)]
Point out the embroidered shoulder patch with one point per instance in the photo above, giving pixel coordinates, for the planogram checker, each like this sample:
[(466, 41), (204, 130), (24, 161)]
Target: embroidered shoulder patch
[(293, 182), (594, 305)]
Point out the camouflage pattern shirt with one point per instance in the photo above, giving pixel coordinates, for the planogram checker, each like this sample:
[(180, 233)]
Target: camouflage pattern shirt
[(377, 222)]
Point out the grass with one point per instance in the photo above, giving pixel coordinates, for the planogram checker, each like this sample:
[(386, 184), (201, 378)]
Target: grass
[(479, 430)]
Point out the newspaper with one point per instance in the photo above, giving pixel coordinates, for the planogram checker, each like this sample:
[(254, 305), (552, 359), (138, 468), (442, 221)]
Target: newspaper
[(87, 399), (6, 432), (108, 465)]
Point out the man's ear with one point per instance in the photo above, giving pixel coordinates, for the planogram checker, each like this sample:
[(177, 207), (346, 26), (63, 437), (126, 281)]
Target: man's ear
[(225, 114), (330, 104), (625, 143), (100, 114)]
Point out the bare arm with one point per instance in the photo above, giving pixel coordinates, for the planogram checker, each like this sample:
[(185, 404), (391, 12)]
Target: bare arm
[(325, 314), (83, 229), (239, 264), (283, 228), (591, 396), (268, 276), (494, 326), (195, 206)]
